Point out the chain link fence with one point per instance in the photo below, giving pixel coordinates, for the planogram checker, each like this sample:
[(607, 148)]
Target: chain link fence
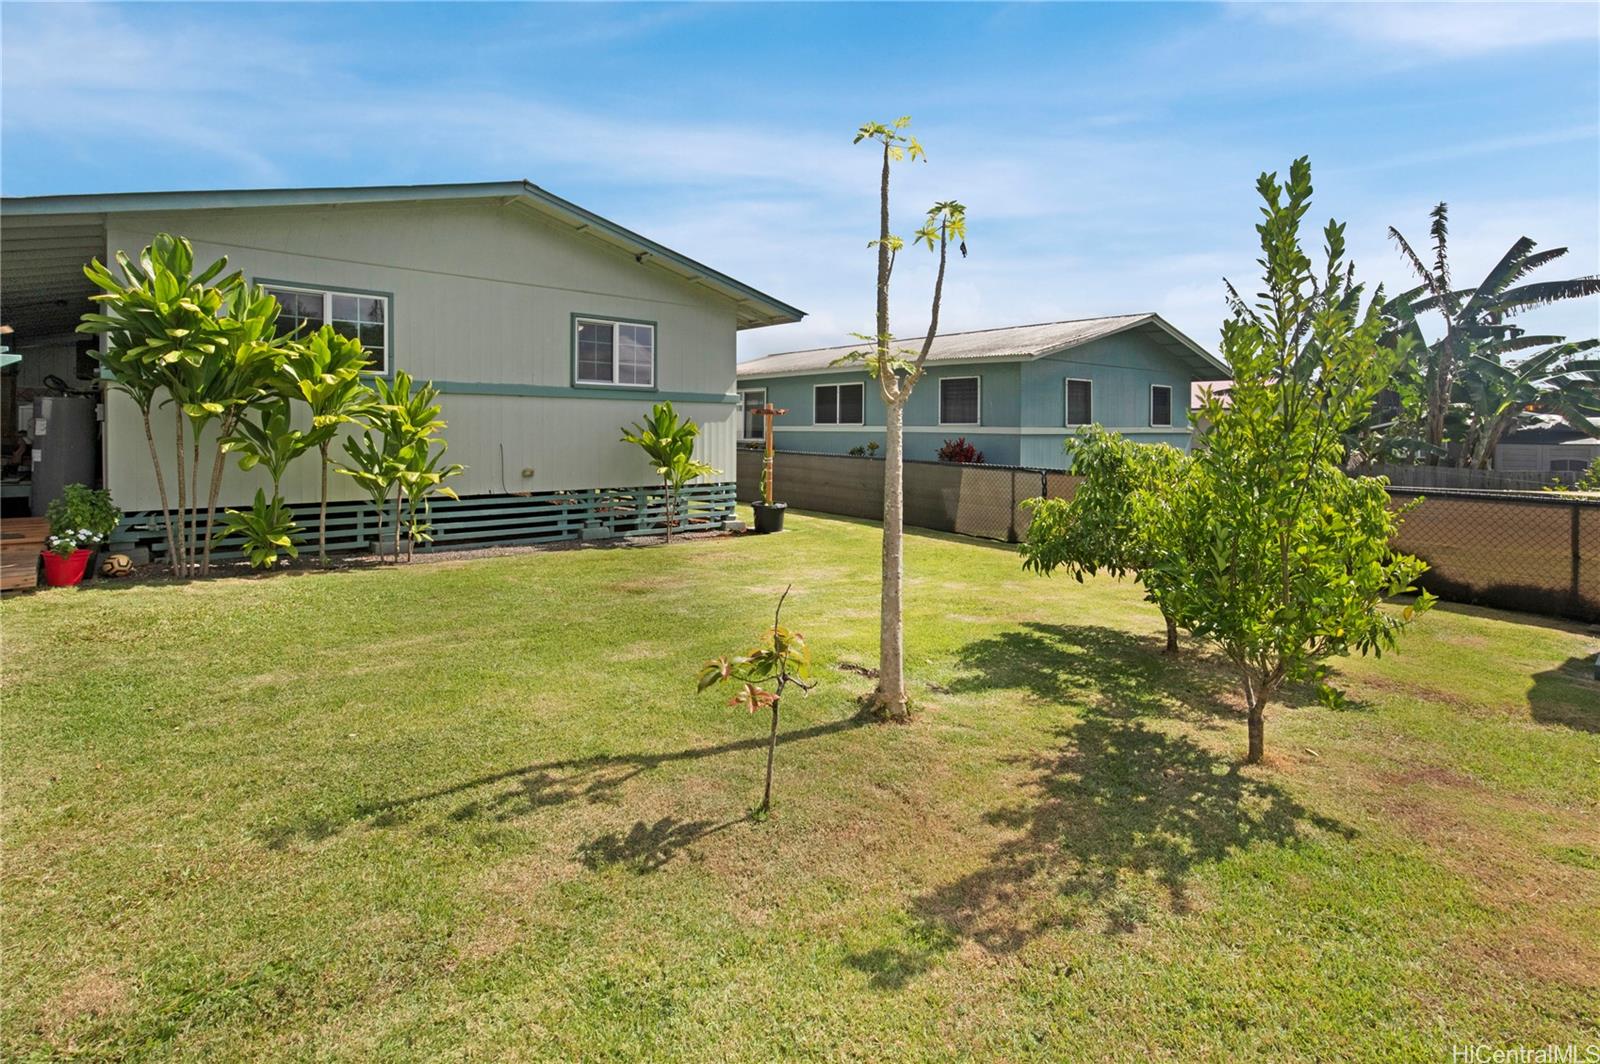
[(1533, 551)]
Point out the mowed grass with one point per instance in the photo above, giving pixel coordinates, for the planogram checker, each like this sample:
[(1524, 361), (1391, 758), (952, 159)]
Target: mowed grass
[(475, 809)]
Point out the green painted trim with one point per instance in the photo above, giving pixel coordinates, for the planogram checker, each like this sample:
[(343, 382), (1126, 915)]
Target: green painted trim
[(389, 325), (550, 391), (655, 353)]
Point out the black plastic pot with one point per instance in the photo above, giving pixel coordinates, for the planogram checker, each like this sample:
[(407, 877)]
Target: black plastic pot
[(769, 518)]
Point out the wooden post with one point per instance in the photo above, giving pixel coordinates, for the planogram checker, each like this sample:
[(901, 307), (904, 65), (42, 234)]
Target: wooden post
[(768, 411)]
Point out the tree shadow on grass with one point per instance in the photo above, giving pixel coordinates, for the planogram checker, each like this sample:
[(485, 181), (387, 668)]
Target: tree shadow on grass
[(513, 793), (647, 847), (1116, 819), (1567, 695)]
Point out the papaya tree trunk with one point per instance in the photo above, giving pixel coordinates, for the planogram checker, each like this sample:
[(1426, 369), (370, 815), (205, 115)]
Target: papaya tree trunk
[(161, 487), (194, 494), (397, 524), (666, 498), (891, 698)]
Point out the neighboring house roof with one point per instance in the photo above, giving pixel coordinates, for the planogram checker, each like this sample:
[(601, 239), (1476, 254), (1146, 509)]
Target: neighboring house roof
[(1547, 429), (756, 308), (1011, 344)]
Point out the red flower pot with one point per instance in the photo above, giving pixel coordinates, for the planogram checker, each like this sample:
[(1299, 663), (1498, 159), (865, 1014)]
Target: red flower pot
[(64, 572)]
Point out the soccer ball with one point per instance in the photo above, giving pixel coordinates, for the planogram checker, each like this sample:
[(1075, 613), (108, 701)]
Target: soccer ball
[(116, 565)]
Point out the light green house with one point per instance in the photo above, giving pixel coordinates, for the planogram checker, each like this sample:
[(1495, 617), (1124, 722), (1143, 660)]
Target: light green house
[(1015, 393), (545, 326)]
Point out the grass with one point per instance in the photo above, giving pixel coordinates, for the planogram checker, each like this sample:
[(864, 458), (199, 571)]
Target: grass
[(475, 809)]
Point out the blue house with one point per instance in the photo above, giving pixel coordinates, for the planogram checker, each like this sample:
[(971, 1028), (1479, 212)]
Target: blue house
[(1014, 393)]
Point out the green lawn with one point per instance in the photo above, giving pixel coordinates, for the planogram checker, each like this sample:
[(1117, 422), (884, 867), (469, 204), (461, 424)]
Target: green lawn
[(475, 809)]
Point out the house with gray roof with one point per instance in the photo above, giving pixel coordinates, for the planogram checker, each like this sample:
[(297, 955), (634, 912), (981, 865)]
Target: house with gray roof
[(1015, 393), (544, 325)]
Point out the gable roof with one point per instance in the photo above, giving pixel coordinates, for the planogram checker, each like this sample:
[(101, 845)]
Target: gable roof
[(1016, 343), (755, 308)]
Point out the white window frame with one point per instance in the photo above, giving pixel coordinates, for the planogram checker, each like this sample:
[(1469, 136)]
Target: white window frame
[(327, 295), (1169, 423), (1066, 402), (580, 320), (743, 415), (978, 420), (837, 405)]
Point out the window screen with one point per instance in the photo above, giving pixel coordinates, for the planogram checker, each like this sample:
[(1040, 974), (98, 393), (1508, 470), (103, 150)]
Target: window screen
[(958, 401), (1080, 402)]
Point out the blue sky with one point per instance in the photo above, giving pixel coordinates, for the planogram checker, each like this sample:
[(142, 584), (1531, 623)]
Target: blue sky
[(1106, 152)]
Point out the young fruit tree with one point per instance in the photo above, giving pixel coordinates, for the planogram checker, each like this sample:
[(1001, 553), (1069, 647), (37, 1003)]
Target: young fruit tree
[(668, 442), (1118, 519), (1279, 558), (781, 659), (897, 372)]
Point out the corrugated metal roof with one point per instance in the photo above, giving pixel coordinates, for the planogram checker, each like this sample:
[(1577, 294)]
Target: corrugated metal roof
[(756, 308), (1007, 344)]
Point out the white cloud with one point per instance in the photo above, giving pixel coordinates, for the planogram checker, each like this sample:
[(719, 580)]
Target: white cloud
[(1449, 29)]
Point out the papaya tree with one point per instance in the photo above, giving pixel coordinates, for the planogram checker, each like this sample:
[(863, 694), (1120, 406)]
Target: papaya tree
[(897, 371), (1117, 520), (1277, 556)]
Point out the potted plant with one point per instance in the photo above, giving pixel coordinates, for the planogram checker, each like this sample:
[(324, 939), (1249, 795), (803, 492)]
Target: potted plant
[(81, 519)]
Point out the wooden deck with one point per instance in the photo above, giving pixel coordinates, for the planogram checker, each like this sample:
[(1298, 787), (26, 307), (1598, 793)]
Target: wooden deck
[(21, 540)]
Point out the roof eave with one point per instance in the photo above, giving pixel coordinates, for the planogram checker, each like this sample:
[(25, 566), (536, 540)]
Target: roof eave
[(755, 308)]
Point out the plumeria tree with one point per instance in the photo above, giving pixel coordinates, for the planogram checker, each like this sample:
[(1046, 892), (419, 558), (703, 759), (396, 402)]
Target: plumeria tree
[(897, 371), (1276, 556)]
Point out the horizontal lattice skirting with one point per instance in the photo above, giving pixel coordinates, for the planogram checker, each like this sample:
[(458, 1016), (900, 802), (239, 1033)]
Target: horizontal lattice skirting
[(475, 521)]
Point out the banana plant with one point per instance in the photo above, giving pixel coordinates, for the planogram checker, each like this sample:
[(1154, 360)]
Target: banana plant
[(267, 529), (1499, 396)]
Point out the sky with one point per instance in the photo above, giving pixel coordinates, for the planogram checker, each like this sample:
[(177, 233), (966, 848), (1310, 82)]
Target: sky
[(1107, 153)]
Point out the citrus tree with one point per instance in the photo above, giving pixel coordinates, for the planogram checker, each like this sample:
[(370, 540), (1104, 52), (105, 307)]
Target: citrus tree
[(1277, 557), (897, 372), (1118, 519)]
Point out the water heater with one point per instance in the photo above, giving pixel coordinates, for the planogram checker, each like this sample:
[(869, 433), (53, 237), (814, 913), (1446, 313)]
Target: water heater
[(66, 442)]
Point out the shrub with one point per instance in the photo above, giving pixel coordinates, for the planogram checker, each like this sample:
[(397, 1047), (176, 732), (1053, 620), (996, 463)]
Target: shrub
[(960, 451), (81, 517)]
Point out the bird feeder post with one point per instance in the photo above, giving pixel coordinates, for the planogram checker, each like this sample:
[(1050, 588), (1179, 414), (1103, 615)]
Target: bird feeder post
[(768, 412), (769, 514)]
